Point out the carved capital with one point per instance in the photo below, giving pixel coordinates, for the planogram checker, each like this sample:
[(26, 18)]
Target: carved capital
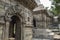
[(8, 19)]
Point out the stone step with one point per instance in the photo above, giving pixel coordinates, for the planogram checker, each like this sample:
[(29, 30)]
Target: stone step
[(56, 31), (11, 38)]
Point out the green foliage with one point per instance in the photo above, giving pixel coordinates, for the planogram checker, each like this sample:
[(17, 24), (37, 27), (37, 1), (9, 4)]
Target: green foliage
[(56, 8), (57, 1)]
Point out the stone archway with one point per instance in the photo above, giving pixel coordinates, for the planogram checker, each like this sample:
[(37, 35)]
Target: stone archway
[(23, 31), (15, 28), (13, 24)]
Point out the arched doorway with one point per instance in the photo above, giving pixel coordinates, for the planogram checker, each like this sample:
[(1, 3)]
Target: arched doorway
[(15, 28)]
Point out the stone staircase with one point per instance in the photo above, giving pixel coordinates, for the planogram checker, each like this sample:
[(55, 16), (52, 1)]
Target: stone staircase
[(56, 31), (42, 34), (56, 34)]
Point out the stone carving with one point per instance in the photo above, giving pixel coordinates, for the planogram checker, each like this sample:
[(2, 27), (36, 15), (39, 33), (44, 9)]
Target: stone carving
[(12, 10)]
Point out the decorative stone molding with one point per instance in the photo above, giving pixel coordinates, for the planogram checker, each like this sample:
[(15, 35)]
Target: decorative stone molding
[(12, 10), (19, 10)]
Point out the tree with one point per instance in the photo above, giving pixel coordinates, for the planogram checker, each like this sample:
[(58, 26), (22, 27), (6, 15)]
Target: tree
[(55, 8)]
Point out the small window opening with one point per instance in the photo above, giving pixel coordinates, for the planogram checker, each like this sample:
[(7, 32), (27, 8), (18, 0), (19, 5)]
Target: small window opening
[(34, 22)]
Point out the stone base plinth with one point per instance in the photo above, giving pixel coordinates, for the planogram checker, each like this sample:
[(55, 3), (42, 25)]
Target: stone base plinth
[(27, 33)]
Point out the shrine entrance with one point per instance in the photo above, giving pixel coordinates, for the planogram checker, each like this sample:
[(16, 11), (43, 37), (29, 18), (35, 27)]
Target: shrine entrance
[(15, 28)]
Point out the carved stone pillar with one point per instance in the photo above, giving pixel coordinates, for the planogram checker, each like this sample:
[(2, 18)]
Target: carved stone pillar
[(6, 34), (6, 28), (28, 28)]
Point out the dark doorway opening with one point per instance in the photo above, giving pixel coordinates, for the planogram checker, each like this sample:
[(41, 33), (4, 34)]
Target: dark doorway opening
[(15, 28), (34, 22)]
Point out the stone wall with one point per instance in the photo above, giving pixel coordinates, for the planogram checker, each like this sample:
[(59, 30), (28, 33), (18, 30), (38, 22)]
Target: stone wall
[(27, 33), (24, 14)]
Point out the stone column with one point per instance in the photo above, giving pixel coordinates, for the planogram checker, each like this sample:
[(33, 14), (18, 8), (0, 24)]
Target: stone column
[(6, 31), (6, 28)]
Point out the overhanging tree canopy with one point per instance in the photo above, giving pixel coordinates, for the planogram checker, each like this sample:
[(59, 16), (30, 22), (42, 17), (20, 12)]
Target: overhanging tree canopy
[(56, 7)]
